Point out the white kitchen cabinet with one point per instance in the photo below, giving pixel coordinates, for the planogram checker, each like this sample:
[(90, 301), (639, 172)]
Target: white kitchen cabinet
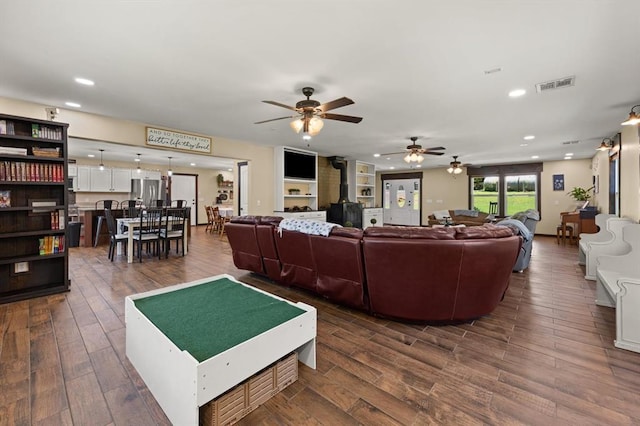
[(319, 215), (109, 180), (372, 213), (82, 182)]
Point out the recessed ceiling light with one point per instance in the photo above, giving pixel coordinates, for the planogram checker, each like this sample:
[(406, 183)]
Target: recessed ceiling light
[(376, 155), (230, 170), (388, 158), (193, 164), (524, 144), (391, 168), (90, 155), (419, 166), (568, 158), (73, 104), (493, 70), (529, 138), (535, 156), (84, 81), (569, 154), (517, 93)]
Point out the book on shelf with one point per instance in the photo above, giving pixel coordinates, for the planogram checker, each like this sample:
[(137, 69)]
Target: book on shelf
[(51, 244), (19, 171), (13, 150), (57, 219), (5, 199)]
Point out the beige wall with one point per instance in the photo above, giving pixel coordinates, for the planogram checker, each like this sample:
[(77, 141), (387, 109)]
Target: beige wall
[(90, 126), (630, 173), (576, 173)]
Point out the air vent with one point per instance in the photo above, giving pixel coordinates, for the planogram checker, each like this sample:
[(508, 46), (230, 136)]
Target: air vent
[(570, 142), (556, 84)]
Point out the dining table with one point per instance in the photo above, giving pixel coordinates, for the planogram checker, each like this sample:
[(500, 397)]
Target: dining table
[(128, 226), (225, 211)]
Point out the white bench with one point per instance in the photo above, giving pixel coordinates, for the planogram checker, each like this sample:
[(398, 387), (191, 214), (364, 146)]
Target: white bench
[(618, 286), (602, 235), (614, 246)]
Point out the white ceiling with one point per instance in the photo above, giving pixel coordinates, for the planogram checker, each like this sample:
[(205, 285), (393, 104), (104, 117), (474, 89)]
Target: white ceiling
[(413, 68)]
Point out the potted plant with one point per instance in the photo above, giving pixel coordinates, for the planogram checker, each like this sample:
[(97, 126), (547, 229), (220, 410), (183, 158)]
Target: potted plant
[(373, 221), (220, 179), (580, 194)]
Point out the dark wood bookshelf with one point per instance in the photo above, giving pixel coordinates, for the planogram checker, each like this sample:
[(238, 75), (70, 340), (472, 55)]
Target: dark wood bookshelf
[(34, 208)]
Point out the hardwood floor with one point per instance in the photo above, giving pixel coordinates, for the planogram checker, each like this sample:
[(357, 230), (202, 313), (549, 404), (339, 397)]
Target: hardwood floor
[(544, 357)]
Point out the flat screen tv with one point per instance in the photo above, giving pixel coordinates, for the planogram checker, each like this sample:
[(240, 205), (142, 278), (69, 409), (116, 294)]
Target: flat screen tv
[(299, 166)]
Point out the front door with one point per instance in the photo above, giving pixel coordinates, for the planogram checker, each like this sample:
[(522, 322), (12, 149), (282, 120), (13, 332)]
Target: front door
[(401, 202)]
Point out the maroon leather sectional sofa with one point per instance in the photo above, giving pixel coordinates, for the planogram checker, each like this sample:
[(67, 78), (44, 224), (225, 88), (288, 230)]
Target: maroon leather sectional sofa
[(406, 273)]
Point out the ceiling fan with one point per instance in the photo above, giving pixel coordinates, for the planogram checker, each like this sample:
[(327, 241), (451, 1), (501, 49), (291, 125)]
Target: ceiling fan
[(455, 167), (414, 151), (310, 113)]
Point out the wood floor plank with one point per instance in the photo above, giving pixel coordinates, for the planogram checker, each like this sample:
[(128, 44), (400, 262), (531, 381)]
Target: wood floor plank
[(544, 356), (87, 402)]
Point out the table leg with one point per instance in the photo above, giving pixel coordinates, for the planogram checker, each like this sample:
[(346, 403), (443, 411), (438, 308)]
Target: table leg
[(130, 245), (185, 232)]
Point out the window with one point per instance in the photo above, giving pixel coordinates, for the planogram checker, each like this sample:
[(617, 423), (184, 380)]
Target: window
[(515, 188)]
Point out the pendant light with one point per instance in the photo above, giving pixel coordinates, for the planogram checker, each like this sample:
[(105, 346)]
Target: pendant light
[(101, 163), (170, 172)]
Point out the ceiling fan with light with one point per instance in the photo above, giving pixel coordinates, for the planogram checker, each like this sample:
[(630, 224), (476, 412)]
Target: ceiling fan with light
[(311, 112), (414, 151), (455, 167)]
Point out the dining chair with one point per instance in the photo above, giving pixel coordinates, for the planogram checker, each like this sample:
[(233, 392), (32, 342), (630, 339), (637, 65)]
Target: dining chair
[(131, 208), (493, 207), (114, 236), (220, 220), (158, 203), (172, 229), (103, 205), (149, 230), (179, 203), (210, 219)]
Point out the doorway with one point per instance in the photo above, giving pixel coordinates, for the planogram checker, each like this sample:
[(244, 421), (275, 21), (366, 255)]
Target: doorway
[(401, 199), (185, 187), (243, 188)]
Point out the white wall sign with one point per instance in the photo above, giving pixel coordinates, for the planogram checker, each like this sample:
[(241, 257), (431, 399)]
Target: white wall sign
[(175, 140)]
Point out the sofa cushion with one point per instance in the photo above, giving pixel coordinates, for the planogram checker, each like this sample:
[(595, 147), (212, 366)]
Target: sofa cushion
[(410, 232), (251, 220), (339, 231), (482, 232), (270, 220)]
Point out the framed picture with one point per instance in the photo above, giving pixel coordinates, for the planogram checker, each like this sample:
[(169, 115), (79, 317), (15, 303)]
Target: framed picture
[(5, 199), (558, 182)]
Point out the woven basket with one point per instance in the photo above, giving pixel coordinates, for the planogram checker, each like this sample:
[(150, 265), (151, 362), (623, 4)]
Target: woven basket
[(46, 152), (236, 403)]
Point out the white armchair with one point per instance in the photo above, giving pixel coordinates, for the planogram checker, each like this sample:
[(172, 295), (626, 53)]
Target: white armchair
[(614, 246), (602, 235), (618, 286)]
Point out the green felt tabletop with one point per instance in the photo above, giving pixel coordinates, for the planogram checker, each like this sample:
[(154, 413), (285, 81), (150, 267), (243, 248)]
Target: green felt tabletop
[(209, 318)]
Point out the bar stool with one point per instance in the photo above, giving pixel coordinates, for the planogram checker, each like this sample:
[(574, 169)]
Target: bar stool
[(103, 205), (560, 233)]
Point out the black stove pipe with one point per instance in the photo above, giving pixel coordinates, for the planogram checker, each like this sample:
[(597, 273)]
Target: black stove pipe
[(340, 164)]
